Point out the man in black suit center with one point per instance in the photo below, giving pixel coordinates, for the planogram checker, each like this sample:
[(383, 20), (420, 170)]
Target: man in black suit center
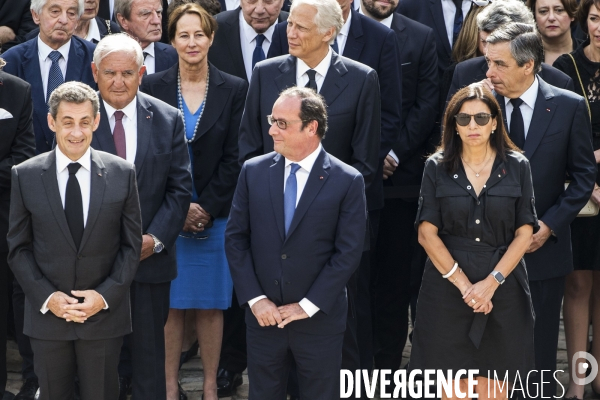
[(74, 246)]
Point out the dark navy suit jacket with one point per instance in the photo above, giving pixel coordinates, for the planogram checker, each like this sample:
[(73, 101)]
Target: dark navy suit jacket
[(322, 247), (23, 61), (559, 140), (165, 56)]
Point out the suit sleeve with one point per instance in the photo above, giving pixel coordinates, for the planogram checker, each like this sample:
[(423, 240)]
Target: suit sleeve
[(169, 218), (421, 117), (219, 190), (23, 145), (349, 240), (581, 167), (115, 287), (20, 249), (251, 141), (237, 245)]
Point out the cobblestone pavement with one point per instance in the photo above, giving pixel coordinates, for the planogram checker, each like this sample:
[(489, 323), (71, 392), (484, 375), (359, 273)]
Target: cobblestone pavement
[(191, 372)]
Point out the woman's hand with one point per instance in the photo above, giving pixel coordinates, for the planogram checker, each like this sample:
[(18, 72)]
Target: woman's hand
[(596, 194), (479, 295), (197, 219)]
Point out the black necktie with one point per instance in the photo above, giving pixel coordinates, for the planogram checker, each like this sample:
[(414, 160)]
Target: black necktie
[(74, 205), (458, 20), (312, 83), (145, 55), (259, 54), (517, 127)]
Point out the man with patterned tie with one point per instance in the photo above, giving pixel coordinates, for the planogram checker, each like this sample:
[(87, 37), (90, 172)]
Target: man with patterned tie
[(74, 246), (294, 237)]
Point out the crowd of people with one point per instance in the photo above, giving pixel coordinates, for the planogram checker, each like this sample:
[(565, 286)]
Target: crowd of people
[(288, 181)]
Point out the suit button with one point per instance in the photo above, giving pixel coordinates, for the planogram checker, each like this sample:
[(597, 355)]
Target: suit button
[(277, 282), (79, 257), (283, 256), (477, 239), (477, 221)]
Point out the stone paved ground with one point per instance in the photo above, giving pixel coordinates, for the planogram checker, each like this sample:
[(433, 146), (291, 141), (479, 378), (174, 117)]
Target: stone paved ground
[(191, 373)]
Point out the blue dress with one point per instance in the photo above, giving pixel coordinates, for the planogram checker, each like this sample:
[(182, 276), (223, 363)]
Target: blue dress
[(203, 279)]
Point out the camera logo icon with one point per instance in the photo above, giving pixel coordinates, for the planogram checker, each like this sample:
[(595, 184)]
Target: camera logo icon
[(580, 368)]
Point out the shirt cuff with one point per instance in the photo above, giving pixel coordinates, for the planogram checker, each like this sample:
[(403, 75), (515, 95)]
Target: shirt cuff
[(308, 306), (45, 308), (254, 300), (394, 156), (105, 303)]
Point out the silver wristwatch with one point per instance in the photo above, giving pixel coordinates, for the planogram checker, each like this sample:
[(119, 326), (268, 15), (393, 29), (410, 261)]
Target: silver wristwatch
[(498, 277), (158, 245)]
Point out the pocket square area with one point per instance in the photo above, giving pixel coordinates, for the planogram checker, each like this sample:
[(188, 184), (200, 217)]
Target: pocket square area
[(5, 114)]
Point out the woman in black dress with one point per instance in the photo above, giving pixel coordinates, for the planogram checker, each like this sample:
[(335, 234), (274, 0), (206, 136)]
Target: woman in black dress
[(475, 220), (582, 286)]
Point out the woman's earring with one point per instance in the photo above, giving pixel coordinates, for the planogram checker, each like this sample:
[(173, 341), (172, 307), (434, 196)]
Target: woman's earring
[(457, 132), (493, 130)]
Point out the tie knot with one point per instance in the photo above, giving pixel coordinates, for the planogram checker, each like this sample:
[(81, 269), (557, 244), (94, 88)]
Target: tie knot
[(516, 102), (145, 55), (295, 168), (54, 56), (118, 115), (259, 40), (73, 168), (311, 74), (457, 3)]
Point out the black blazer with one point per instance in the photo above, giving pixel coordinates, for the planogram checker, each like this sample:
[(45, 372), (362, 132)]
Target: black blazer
[(165, 56), (351, 91), (163, 178), (104, 10), (16, 15), (215, 147), (226, 50), (559, 141), (102, 28), (18, 141)]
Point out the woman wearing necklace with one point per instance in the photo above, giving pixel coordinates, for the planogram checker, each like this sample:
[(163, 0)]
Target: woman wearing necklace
[(475, 220), (582, 286), (211, 103)]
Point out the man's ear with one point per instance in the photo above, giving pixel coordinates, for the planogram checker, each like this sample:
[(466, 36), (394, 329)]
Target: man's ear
[(51, 123)]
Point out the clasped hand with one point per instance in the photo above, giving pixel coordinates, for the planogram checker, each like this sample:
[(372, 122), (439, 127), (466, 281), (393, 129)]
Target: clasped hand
[(70, 309), (268, 314), (479, 296), (195, 216)]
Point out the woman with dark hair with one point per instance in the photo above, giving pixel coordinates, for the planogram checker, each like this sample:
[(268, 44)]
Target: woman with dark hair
[(554, 19), (582, 286), (211, 103), (475, 220)]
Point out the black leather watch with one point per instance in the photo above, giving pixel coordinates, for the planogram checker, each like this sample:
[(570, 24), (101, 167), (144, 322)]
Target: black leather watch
[(158, 245), (498, 277)]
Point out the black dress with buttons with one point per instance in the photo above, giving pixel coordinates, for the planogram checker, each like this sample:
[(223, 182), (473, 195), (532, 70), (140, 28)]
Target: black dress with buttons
[(476, 230)]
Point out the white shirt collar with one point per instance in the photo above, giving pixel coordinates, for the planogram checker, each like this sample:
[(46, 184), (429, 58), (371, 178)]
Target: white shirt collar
[(93, 31), (386, 21), (129, 110), (530, 95), (250, 34), (346, 27), (321, 68), (308, 162), (45, 50), (150, 49), (63, 161)]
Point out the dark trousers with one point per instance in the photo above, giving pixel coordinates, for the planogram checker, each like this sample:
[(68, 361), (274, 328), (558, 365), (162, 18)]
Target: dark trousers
[(3, 314), (22, 340), (270, 354), (397, 271), (233, 351), (143, 351), (547, 298), (93, 361)]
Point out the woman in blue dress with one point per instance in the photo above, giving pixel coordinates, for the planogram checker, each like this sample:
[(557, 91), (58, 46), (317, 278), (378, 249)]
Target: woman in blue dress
[(211, 103)]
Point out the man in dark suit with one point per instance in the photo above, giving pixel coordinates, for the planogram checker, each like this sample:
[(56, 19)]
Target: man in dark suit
[(294, 237), (18, 145), (495, 16), (74, 246), (245, 36), (106, 10), (15, 22), (552, 126), (148, 133), (143, 21), (397, 266)]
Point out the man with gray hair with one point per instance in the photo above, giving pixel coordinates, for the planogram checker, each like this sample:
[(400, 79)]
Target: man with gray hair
[(552, 126), (495, 16), (74, 244), (142, 19)]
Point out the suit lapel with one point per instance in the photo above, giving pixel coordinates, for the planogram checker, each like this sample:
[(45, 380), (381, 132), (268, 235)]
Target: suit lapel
[(74, 67), (542, 115), (97, 186), (288, 74), (399, 27), (33, 75), (316, 179), (334, 83), (51, 187), (103, 138), (144, 131), (159, 59), (215, 102), (356, 40), (232, 35), (437, 13), (276, 174)]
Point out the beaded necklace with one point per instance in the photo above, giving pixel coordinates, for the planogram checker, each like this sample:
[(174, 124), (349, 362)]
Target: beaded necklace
[(203, 105)]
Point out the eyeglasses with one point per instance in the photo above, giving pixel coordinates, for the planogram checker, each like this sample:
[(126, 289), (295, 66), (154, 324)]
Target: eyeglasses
[(281, 124), (464, 119)]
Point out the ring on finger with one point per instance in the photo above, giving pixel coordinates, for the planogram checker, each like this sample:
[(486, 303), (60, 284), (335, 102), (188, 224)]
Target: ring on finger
[(473, 301)]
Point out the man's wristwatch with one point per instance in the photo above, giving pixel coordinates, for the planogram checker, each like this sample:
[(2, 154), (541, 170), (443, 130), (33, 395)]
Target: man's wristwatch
[(498, 277), (158, 246)]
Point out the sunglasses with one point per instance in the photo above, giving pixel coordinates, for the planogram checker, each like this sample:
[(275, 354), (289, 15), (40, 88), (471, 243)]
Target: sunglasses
[(464, 119)]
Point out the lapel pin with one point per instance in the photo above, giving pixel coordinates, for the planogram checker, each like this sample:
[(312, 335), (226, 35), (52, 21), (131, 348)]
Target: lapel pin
[(547, 109), (99, 174), (148, 117), (320, 177), (503, 171)]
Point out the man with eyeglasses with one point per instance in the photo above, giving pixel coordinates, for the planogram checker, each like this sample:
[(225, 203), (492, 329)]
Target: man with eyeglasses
[(294, 237)]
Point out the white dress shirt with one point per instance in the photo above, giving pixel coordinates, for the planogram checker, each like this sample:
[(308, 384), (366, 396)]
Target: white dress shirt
[(150, 60), (248, 42), (93, 31), (232, 5), (342, 37), (83, 176), (321, 69), (301, 178), (45, 62), (129, 122), (449, 11), (529, 98), (112, 9)]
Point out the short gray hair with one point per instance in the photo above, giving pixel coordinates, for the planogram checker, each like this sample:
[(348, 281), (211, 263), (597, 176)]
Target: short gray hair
[(500, 13), (123, 7), (525, 43), (329, 14), (312, 107), (73, 92), (37, 5), (118, 43)]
